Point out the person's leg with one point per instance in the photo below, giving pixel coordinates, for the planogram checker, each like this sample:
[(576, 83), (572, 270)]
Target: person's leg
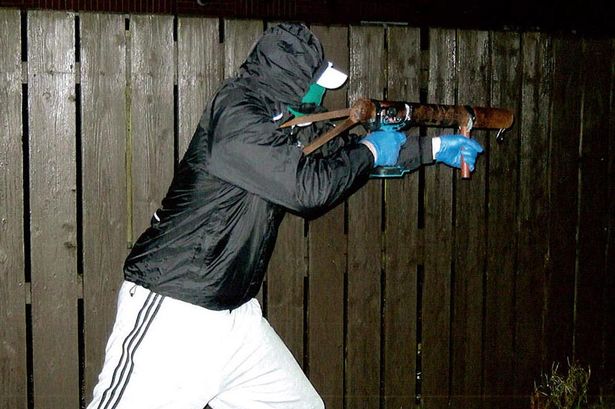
[(165, 353), (262, 373), (162, 353)]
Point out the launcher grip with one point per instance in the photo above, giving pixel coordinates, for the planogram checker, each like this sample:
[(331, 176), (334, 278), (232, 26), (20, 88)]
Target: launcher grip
[(465, 169)]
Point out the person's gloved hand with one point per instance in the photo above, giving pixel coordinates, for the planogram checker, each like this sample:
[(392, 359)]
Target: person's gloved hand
[(385, 146), (453, 147)]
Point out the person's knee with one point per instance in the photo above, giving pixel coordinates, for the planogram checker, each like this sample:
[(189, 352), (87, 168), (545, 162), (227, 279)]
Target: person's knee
[(317, 402)]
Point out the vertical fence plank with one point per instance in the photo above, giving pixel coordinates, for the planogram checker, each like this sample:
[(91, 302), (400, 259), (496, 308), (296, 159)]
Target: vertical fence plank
[(532, 257), (105, 206), (12, 289), (287, 268), (327, 261), (287, 276), (438, 236), (199, 69), (367, 63), (608, 340), (593, 209), (151, 115), (51, 87), (503, 161), (564, 181), (403, 238), (239, 36), (473, 75), (286, 283)]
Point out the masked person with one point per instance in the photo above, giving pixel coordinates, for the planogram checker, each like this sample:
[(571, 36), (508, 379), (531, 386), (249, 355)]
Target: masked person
[(188, 330)]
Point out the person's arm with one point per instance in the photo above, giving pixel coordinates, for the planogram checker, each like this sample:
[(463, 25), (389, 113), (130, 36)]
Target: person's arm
[(248, 150), (416, 152)]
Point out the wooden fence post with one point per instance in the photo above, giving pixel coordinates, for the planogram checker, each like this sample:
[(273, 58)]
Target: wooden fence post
[(470, 239), (502, 226), (438, 236), (104, 178), (367, 79), (402, 235), (327, 261), (53, 210), (13, 370)]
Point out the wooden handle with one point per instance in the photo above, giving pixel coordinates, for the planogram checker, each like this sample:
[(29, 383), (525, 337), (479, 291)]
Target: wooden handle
[(317, 117), (326, 137), (465, 169), (361, 111)]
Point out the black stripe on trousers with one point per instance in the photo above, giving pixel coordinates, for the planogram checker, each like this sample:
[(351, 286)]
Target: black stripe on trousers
[(123, 370)]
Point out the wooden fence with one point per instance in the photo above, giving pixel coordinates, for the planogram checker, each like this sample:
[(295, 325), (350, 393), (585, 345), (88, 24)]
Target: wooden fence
[(426, 290)]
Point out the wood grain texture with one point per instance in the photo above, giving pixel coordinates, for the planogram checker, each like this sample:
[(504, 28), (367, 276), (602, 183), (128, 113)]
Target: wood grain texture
[(151, 115), (473, 83), (438, 235), (286, 277), (327, 261), (285, 285), (591, 280), (53, 224), (239, 37), (607, 339), (402, 238), (105, 204), (502, 226), (13, 374), (564, 196), (545, 210), (533, 250), (199, 66), (363, 372)]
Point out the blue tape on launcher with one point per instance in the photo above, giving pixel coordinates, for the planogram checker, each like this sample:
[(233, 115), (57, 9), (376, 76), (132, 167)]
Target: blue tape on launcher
[(390, 116)]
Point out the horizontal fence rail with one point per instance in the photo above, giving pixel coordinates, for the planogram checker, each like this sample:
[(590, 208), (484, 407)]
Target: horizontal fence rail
[(427, 290), (592, 18)]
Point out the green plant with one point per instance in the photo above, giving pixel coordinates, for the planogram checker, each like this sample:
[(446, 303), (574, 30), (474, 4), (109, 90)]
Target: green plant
[(562, 390)]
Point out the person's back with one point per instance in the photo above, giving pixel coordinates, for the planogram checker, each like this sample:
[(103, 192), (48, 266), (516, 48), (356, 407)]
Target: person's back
[(210, 242)]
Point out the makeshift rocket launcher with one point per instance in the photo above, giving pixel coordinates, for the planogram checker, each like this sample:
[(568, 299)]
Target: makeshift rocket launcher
[(400, 116)]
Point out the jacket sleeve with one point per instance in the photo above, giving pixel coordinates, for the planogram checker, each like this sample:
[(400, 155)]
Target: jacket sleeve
[(248, 150), (416, 152)]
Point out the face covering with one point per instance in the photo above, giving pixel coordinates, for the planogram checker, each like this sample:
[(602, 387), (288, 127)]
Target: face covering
[(310, 101)]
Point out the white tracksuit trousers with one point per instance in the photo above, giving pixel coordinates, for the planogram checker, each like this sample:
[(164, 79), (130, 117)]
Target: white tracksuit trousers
[(165, 353)]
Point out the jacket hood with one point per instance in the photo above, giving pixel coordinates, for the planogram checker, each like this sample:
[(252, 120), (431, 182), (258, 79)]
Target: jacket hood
[(285, 60)]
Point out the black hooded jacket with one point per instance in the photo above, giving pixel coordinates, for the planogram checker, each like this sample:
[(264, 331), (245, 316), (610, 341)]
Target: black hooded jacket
[(211, 241)]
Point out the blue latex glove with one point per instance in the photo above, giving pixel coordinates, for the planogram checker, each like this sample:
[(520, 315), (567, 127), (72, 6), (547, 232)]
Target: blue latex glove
[(385, 146), (454, 147)]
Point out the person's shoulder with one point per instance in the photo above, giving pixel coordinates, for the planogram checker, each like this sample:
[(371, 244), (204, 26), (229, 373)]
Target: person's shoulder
[(239, 96), (237, 89)]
